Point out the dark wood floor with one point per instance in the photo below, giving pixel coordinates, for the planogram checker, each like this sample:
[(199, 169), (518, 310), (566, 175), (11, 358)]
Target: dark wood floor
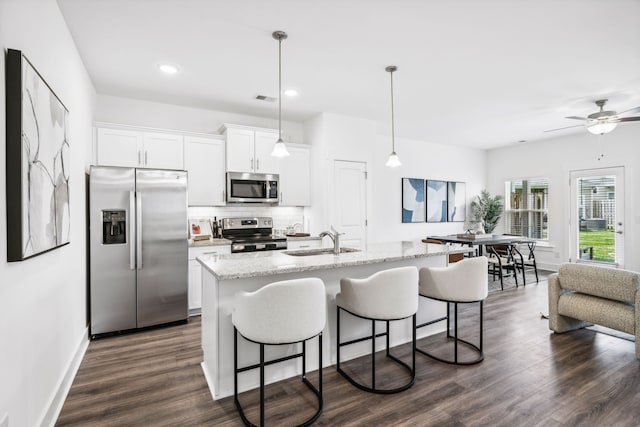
[(530, 377)]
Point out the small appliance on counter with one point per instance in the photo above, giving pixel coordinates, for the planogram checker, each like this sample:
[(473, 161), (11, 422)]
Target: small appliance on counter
[(199, 229), (251, 234)]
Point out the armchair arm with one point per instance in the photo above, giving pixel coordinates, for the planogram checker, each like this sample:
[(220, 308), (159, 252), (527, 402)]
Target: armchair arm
[(557, 322)]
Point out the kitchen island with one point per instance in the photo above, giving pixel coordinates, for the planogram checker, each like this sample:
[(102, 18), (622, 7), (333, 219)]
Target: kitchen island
[(224, 276)]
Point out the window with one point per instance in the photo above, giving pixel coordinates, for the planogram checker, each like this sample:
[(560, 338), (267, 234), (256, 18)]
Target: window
[(526, 208)]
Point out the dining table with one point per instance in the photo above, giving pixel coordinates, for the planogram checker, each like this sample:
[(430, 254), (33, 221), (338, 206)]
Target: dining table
[(481, 240)]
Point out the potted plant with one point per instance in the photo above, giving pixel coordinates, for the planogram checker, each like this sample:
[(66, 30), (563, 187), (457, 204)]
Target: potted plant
[(487, 210)]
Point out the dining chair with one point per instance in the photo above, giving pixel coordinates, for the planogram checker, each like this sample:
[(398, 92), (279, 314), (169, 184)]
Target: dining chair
[(503, 261), (528, 259), (452, 257)]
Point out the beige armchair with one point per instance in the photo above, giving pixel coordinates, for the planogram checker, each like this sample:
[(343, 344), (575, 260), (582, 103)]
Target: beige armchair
[(581, 295)]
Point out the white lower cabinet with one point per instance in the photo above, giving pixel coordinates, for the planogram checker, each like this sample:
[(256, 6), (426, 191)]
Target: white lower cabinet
[(195, 274), (302, 243)]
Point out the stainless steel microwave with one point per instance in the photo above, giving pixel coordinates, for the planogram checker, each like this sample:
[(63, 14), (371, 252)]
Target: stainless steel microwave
[(252, 188)]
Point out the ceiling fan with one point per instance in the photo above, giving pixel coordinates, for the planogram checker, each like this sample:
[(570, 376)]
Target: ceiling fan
[(602, 121)]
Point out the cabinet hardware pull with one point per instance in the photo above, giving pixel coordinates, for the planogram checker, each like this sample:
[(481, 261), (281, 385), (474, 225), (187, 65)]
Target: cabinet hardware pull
[(139, 228), (257, 164), (146, 155), (139, 160), (132, 229)]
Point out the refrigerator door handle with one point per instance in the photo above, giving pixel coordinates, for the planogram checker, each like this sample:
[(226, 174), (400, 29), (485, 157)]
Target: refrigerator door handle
[(132, 230), (139, 228)]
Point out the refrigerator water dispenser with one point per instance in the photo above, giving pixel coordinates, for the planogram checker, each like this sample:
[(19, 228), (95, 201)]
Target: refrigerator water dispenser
[(114, 227)]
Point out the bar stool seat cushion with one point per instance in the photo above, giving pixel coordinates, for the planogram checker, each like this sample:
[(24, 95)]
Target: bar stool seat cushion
[(464, 281), (282, 312), (385, 295)]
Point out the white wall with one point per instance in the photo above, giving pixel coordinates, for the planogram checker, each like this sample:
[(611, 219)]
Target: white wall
[(420, 160), (42, 300), (335, 137), (134, 112), (346, 138), (554, 159)]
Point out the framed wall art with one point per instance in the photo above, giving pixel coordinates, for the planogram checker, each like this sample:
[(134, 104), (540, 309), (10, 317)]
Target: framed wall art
[(413, 203), (38, 209), (456, 201), (436, 201)]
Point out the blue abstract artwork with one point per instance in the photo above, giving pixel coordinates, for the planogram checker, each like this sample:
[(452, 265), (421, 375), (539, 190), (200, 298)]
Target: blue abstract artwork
[(436, 201), (413, 202), (457, 210)]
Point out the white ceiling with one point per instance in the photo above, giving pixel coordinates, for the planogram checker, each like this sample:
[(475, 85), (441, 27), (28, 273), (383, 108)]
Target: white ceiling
[(471, 73)]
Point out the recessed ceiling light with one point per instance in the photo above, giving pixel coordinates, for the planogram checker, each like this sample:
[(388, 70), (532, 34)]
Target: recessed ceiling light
[(168, 68), (290, 92)]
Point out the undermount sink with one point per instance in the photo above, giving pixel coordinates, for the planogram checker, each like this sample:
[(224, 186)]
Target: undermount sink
[(323, 251)]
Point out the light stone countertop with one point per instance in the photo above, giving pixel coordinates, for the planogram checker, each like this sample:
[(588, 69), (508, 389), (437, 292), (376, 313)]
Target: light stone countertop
[(294, 238), (209, 242), (267, 263)]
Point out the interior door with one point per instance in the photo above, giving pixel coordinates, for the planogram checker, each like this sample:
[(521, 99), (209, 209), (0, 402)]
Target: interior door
[(350, 202), (597, 216)]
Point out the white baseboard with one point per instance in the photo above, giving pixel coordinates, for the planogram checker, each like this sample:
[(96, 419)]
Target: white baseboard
[(548, 266), (53, 411), (209, 379)]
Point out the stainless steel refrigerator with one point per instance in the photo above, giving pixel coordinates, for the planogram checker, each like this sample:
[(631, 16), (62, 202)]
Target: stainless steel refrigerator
[(138, 248)]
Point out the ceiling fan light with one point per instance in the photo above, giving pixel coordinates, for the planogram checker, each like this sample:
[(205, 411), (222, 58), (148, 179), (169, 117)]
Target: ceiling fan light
[(280, 149), (600, 128), (393, 161)]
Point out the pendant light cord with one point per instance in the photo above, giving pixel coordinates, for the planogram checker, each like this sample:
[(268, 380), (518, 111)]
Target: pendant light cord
[(393, 132), (280, 89)]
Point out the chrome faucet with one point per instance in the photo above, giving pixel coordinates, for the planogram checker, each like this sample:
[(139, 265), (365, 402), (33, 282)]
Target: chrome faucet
[(335, 238)]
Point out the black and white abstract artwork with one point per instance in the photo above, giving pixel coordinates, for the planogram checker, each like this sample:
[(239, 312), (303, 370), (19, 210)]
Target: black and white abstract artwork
[(38, 211), (436, 201), (456, 200)]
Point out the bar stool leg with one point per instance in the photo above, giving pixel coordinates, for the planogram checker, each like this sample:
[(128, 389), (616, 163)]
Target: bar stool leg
[(373, 354), (261, 385), (338, 335)]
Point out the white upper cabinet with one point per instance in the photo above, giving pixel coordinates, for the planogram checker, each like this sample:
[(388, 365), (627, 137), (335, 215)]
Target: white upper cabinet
[(240, 153), (249, 150), (204, 161), (295, 184), (265, 162), (133, 148), (163, 151), (115, 147)]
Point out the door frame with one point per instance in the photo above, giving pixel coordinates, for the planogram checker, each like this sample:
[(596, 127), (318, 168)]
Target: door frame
[(332, 192), (574, 225)]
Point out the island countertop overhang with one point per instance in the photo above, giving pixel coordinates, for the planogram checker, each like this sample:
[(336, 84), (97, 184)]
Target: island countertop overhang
[(256, 264)]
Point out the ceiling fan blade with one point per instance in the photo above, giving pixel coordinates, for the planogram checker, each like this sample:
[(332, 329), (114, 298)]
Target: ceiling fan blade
[(631, 111), (566, 127), (576, 118), (628, 119)]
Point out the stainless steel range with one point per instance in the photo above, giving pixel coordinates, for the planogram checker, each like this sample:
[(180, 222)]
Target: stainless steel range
[(251, 235)]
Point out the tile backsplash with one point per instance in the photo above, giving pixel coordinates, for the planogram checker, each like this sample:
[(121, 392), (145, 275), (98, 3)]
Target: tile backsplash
[(283, 217)]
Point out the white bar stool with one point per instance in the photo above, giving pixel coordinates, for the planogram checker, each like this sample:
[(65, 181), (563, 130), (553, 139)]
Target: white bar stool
[(285, 312), (459, 283), (387, 295)]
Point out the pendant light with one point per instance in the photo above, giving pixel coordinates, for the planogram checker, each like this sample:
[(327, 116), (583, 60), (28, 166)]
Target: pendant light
[(279, 149), (394, 160)]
